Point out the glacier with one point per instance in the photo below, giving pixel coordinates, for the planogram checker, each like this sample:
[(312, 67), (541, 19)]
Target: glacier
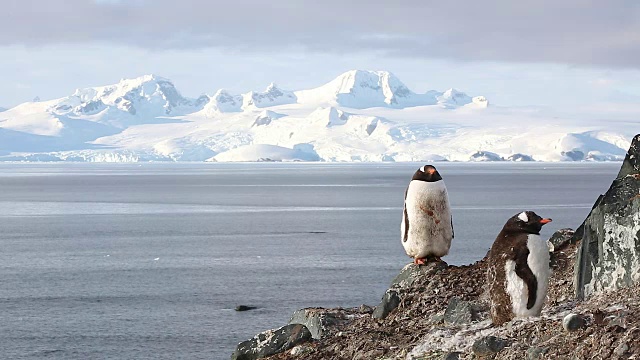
[(361, 115)]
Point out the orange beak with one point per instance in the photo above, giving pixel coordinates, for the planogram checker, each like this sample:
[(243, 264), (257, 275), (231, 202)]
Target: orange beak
[(431, 171), (544, 221)]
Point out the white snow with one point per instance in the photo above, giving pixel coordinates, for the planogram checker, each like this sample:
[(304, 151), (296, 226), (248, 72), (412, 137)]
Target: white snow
[(264, 152), (359, 116)]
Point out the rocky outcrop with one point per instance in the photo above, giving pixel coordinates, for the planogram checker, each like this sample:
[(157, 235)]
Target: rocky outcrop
[(319, 320), (440, 311), (609, 255), (404, 280), (272, 342)]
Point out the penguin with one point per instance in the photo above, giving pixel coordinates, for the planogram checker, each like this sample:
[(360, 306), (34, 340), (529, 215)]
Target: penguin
[(426, 229), (518, 269)]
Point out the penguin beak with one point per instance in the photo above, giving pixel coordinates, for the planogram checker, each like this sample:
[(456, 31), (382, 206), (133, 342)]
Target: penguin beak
[(544, 221), (431, 171)]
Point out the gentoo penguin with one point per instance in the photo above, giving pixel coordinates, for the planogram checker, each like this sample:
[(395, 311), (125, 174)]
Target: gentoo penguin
[(426, 230), (518, 270)]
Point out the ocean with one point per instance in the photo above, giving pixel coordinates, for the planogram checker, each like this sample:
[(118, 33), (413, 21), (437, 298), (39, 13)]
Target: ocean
[(148, 261)]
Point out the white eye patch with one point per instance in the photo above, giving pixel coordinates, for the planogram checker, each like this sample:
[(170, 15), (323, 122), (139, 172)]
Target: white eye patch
[(523, 216), (422, 169)]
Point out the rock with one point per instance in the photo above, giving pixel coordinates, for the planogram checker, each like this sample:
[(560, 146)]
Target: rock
[(300, 350), (488, 345), (389, 302), (609, 255), (621, 349), (245, 307), (318, 320), (436, 319), (573, 322), (407, 276), (411, 272), (485, 156), (536, 352), (458, 312), (272, 342), (451, 356), (520, 157), (573, 155), (561, 238)]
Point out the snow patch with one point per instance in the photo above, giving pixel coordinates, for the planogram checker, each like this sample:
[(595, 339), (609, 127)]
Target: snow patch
[(265, 152)]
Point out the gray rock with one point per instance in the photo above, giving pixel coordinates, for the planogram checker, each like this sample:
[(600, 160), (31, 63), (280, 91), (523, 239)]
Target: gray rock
[(609, 254), (411, 272), (458, 312), (536, 352), (405, 279), (389, 302), (621, 349), (573, 322), (318, 320), (573, 155), (299, 350), (561, 238), (436, 319), (488, 345), (451, 356), (520, 157), (485, 156), (272, 342)]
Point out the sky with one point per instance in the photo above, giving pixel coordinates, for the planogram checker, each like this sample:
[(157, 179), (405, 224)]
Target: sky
[(545, 53)]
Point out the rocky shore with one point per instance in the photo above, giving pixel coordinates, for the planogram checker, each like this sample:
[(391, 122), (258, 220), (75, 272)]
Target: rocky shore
[(437, 311)]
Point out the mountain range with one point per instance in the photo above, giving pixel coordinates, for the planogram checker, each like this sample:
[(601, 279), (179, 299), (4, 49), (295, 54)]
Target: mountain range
[(358, 116)]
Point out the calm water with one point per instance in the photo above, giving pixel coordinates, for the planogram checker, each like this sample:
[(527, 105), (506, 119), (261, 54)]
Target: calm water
[(148, 261)]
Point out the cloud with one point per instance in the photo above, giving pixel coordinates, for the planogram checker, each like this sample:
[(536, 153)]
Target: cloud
[(580, 32)]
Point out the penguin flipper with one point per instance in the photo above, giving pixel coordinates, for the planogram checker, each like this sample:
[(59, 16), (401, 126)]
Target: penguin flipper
[(453, 234), (405, 219), (524, 272)]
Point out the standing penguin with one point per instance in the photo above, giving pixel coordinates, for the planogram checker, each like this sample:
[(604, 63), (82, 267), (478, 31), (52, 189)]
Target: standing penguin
[(426, 229), (518, 270)]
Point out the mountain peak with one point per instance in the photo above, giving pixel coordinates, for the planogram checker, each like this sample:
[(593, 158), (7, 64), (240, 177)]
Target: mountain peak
[(145, 78), (361, 89), (272, 96)]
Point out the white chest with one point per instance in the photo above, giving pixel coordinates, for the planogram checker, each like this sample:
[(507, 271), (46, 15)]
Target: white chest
[(538, 262)]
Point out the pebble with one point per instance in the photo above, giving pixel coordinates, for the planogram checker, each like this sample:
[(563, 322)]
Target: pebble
[(573, 322), (488, 345)]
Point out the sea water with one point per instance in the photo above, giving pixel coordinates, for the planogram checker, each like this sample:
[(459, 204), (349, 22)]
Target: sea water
[(148, 261)]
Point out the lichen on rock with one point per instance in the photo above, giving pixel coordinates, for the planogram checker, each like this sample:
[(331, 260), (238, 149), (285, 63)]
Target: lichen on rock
[(609, 256)]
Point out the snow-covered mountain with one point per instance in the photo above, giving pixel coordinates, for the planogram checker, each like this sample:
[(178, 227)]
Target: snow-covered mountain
[(358, 116)]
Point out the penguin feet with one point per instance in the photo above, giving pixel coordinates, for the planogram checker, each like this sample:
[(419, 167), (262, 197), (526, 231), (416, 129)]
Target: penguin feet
[(426, 260), (422, 261)]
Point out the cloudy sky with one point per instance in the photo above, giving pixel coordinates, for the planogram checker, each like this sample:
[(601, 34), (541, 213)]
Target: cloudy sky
[(545, 53)]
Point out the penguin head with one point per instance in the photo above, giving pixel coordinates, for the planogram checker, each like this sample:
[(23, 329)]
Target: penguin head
[(427, 173), (527, 222)]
